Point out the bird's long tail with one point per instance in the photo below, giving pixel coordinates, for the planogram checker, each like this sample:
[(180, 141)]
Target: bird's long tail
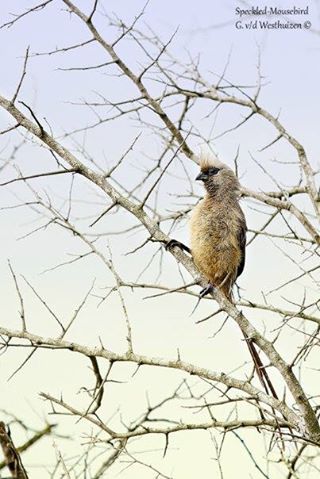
[(258, 364), (260, 368)]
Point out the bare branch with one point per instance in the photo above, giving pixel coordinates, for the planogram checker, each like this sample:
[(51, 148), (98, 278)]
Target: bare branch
[(12, 457)]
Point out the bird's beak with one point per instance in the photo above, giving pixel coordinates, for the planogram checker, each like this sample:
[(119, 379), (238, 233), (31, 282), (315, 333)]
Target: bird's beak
[(202, 176)]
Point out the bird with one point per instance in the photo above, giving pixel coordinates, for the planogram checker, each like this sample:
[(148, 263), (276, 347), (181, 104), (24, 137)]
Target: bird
[(218, 240), (217, 228)]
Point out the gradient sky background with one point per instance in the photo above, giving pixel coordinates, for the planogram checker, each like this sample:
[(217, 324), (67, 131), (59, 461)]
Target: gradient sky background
[(290, 65)]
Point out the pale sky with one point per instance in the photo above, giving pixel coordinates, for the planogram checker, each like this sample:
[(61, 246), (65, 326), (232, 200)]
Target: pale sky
[(291, 73)]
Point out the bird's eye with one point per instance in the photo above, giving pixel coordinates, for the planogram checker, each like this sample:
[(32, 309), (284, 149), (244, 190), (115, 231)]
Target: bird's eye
[(213, 171)]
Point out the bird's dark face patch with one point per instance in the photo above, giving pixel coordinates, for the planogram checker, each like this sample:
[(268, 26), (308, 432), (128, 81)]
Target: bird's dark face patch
[(206, 174), (213, 171)]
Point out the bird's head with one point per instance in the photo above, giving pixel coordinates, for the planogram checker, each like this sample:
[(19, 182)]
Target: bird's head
[(217, 177)]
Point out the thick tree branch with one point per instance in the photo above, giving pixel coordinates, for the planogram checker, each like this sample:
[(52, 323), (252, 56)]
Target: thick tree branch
[(309, 418), (100, 352), (12, 457), (154, 104)]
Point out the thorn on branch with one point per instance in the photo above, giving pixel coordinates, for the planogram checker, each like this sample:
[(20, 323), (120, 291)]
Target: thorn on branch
[(34, 117), (24, 71), (93, 11)]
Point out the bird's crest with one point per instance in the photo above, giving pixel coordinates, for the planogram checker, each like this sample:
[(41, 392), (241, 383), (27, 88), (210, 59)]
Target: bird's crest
[(210, 161)]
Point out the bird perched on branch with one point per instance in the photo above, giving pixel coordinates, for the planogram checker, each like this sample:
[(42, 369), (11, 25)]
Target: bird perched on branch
[(218, 239), (218, 228)]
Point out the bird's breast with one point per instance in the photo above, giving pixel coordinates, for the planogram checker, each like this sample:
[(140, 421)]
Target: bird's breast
[(214, 242)]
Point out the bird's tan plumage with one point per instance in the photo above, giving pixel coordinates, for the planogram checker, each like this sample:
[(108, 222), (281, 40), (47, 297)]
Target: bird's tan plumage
[(218, 227), (218, 239)]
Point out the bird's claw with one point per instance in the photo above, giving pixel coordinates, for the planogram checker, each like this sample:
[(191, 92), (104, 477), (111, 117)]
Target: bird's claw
[(207, 290), (172, 243)]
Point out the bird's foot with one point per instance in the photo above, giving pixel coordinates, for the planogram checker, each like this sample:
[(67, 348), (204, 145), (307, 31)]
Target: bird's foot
[(207, 290), (172, 243)]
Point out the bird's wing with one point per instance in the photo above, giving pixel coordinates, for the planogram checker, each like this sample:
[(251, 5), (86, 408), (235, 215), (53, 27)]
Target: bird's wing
[(242, 245)]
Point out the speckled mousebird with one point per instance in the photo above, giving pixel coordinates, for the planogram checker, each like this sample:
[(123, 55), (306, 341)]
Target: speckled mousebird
[(218, 228), (218, 239)]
